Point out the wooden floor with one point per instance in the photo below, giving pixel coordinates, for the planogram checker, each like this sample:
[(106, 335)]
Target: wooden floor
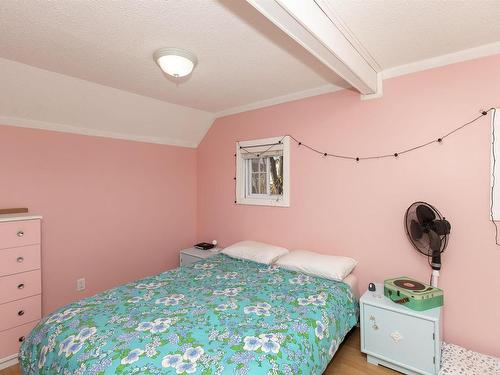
[(350, 361), (347, 361)]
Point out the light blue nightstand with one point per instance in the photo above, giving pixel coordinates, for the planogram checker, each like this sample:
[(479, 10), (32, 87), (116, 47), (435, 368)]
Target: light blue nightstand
[(192, 255), (397, 337)]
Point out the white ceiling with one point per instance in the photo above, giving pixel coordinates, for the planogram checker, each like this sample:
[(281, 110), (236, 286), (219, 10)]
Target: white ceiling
[(36, 98), (399, 32), (244, 60)]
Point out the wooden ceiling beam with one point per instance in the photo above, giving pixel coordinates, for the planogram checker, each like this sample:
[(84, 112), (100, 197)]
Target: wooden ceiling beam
[(310, 25)]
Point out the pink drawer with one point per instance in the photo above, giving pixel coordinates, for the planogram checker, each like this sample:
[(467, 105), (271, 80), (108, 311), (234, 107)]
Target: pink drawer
[(11, 339), (20, 286), (19, 259), (20, 312), (19, 233)]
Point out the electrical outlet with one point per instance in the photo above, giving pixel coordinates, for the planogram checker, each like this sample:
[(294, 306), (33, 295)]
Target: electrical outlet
[(80, 284)]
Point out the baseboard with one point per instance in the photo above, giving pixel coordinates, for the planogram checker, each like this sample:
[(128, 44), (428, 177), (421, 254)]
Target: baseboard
[(377, 361), (11, 360)]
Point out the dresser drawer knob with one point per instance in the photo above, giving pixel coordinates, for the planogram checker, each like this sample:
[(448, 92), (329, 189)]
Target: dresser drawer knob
[(20, 259), (20, 286), (20, 233), (20, 312), (21, 339)]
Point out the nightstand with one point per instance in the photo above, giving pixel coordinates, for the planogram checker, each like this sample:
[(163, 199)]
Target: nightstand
[(397, 337), (192, 255)]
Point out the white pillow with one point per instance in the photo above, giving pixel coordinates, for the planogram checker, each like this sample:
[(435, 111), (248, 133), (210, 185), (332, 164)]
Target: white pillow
[(256, 251), (327, 266)]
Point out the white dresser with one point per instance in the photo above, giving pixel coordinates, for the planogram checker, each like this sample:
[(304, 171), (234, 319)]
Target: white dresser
[(20, 282), (192, 255), (397, 337)]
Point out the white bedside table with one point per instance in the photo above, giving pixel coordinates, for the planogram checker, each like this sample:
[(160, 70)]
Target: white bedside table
[(397, 337), (192, 255)]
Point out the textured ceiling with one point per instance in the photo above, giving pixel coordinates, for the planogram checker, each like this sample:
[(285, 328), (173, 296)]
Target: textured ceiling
[(398, 32), (243, 58)]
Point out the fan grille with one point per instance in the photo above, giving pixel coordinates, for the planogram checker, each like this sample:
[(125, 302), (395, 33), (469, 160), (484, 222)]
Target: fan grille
[(422, 244)]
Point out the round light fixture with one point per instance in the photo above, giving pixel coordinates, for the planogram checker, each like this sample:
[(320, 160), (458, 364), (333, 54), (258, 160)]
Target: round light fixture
[(176, 62)]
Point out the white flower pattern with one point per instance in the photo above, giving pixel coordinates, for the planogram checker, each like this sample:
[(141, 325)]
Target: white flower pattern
[(319, 331), (133, 356), (301, 279), (204, 266), (315, 299), (228, 292), (193, 354), (171, 300), (171, 360), (251, 343), (149, 286)]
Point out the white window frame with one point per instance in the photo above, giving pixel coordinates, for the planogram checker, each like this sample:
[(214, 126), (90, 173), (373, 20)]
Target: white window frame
[(242, 173)]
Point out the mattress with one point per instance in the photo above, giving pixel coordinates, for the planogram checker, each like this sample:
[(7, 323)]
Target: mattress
[(217, 316), (352, 281)]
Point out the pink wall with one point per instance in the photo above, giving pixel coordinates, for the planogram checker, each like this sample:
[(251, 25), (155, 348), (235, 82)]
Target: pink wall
[(113, 210), (341, 207)]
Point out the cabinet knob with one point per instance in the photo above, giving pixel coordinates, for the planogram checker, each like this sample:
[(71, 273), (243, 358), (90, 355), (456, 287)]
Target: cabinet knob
[(20, 286), (21, 339), (20, 233), (20, 312), (396, 336), (20, 259)]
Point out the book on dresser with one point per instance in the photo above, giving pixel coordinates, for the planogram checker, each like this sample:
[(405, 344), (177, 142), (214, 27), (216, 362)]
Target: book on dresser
[(20, 282)]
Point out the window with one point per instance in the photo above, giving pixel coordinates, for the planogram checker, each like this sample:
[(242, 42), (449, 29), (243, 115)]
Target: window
[(262, 172)]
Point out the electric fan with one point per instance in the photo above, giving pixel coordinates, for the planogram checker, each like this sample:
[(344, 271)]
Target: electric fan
[(428, 232)]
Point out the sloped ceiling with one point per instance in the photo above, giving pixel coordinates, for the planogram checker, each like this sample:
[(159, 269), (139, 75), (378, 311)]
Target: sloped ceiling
[(91, 69), (242, 57), (36, 98)]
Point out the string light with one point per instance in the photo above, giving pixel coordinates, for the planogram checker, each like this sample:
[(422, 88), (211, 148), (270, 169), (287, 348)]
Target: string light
[(371, 157), (395, 155)]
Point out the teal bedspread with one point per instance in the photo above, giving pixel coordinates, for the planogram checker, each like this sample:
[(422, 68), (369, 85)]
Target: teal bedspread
[(217, 316)]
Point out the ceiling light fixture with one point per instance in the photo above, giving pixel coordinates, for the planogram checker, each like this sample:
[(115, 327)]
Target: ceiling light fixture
[(176, 62)]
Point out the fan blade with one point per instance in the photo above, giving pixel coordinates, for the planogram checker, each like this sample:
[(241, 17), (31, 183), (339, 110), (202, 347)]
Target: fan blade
[(435, 241), (441, 227), (416, 230), (425, 214)]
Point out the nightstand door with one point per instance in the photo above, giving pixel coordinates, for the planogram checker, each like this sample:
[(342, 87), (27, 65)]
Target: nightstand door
[(188, 259), (401, 338)]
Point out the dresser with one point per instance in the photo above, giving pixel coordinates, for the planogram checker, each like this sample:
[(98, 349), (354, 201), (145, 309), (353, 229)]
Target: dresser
[(397, 337), (20, 282), (192, 255)]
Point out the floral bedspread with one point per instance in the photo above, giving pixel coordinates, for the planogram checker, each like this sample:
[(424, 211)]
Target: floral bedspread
[(217, 316)]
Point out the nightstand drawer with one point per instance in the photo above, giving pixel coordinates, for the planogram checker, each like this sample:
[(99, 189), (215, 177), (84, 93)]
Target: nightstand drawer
[(404, 339), (188, 259)]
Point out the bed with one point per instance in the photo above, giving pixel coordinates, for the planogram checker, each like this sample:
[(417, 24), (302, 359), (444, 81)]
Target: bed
[(217, 316)]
